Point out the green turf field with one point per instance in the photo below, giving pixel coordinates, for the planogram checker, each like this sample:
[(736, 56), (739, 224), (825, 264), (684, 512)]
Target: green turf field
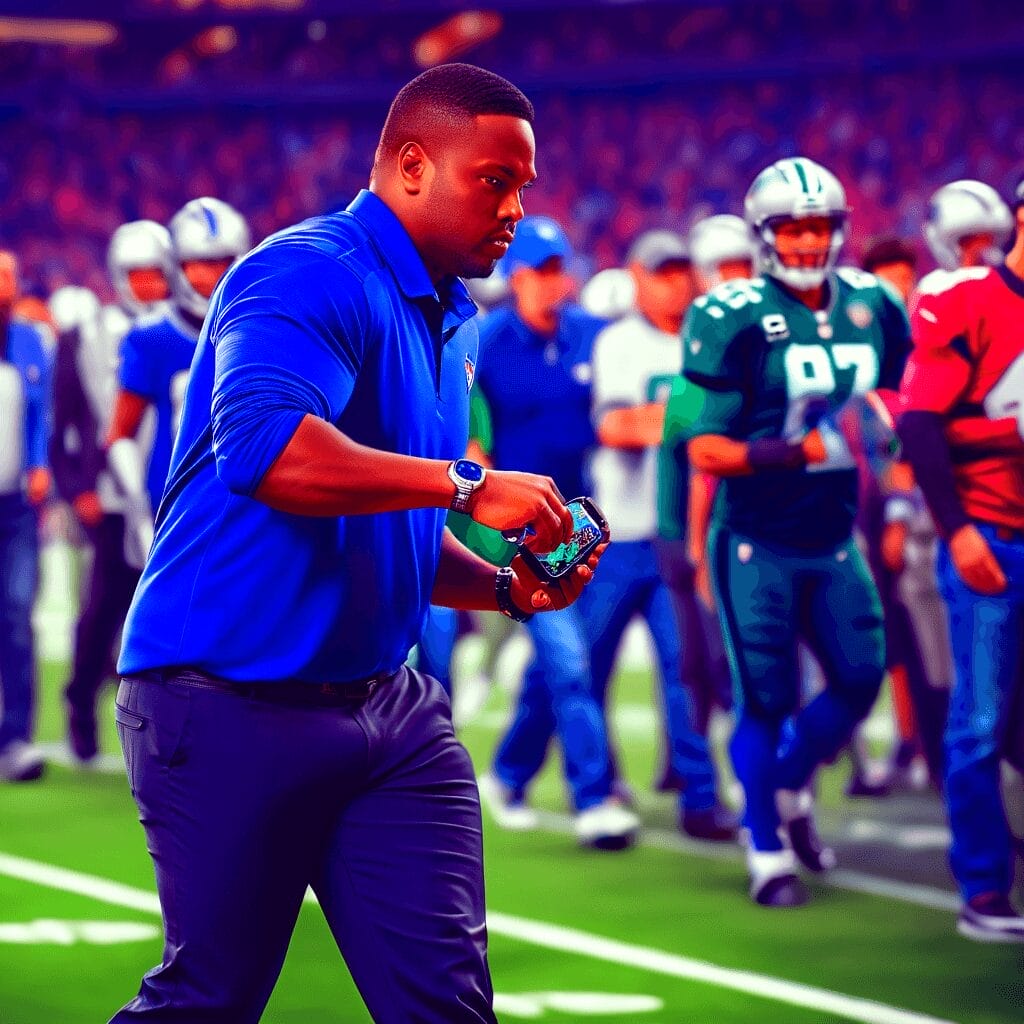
[(660, 934)]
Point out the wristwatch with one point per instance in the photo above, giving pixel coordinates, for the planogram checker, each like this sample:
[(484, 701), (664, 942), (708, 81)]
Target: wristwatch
[(467, 477), (503, 596)]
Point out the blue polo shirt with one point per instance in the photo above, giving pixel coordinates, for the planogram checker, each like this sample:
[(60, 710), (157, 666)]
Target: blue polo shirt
[(538, 391), (155, 358), (335, 317), (25, 387)]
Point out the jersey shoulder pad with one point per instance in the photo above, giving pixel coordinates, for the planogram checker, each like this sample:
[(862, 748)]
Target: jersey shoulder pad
[(730, 307), (939, 281)]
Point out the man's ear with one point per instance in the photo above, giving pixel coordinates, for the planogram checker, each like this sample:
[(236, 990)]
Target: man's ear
[(413, 167)]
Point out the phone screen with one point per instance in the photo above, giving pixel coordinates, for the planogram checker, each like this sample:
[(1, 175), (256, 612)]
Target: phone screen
[(586, 530)]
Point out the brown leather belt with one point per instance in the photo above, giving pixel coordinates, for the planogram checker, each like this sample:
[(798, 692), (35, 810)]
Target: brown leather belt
[(288, 691)]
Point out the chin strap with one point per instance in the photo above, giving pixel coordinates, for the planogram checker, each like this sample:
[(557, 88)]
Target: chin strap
[(125, 461)]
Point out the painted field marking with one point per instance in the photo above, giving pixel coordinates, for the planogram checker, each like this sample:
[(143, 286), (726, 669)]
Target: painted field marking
[(537, 933), (49, 932)]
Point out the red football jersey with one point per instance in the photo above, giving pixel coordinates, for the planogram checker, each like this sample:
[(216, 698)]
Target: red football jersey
[(968, 363)]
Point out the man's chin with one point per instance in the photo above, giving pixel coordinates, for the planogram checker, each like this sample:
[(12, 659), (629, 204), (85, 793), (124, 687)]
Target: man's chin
[(478, 268)]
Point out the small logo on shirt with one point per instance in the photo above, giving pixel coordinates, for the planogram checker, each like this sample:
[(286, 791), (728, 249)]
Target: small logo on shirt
[(582, 373), (745, 552), (860, 315), (775, 327), (32, 374), (470, 374), (696, 345)]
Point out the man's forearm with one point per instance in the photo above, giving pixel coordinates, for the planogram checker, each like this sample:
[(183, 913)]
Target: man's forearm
[(323, 472), (639, 426), (464, 580), (927, 451)]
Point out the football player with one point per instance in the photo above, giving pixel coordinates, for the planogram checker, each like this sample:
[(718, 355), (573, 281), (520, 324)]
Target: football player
[(773, 361), (86, 382), (963, 432), (635, 361), (723, 249), (207, 236)]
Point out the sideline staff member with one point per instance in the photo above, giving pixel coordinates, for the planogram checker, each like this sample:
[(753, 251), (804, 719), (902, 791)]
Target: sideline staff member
[(273, 737)]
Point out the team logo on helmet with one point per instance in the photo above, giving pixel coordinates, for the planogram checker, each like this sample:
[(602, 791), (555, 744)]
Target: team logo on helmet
[(470, 374)]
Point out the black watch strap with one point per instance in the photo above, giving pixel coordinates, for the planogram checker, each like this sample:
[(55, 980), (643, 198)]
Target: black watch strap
[(503, 595)]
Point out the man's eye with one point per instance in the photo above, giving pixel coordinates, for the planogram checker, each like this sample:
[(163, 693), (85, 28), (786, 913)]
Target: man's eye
[(494, 182)]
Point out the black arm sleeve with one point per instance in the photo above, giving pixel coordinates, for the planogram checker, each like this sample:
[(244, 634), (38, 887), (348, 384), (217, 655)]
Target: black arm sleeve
[(926, 448), (74, 471)]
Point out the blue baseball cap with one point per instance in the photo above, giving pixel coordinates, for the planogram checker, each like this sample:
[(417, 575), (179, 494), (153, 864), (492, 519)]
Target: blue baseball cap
[(536, 240)]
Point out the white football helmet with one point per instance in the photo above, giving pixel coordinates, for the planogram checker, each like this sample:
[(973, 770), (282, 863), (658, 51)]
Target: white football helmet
[(204, 229), (73, 307), (964, 208), (793, 189), (135, 245), (717, 240), (609, 294)]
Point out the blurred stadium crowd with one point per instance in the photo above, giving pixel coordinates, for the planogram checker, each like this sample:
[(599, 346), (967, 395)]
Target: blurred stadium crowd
[(612, 170)]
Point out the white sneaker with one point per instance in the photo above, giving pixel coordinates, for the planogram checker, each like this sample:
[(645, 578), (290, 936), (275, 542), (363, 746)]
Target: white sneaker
[(507, 812), (21, 762), (773, 878), (606, 826)]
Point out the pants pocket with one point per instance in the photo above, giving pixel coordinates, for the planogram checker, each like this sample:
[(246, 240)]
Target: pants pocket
[(129, 730)]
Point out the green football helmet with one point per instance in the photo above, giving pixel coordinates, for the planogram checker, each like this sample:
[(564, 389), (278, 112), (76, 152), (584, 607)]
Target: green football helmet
[(789, 190)]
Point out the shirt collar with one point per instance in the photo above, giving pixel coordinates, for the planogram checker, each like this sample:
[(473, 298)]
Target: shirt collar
[(398, 251)]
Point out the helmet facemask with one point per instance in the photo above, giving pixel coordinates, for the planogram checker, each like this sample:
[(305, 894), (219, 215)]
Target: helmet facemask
[(800, 278)]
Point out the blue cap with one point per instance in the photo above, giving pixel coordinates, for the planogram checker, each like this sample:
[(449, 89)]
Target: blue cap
[(536, 240)]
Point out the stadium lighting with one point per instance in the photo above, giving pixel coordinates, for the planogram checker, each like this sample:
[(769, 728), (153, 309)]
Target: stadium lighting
[(455, 36), (56, 31)]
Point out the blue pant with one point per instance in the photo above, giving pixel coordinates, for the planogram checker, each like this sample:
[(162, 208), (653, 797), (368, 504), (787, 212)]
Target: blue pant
[(988, 651), (437, 642), (245, 802), (629, 583), (556, 696), (19, 577), (768, 600)]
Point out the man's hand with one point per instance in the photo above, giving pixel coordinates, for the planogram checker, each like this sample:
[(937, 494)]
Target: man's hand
[(88, 508), (38, 485), (510, 501), (533, 595), (975, 562), (894, 539)]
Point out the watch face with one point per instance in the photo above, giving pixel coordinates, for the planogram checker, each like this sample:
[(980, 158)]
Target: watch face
[(469, 471)]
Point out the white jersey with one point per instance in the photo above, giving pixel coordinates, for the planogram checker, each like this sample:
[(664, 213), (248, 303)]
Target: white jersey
[(634, 363)]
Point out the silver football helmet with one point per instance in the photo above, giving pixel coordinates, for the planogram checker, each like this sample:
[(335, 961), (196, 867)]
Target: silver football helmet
[(73, 307), (137, 244), (204, 229), (609, 294), (717, 240), (793, 189), (964, 208)]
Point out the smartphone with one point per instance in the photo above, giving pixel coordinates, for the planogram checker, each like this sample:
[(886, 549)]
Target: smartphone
[(590, 528)]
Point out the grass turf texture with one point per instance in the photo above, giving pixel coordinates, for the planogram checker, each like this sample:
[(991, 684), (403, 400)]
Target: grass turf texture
[(870, 947)]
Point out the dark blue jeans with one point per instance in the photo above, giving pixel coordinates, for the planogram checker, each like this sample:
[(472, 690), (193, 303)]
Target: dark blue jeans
[(246, 802), (988, 652), (19, 577)]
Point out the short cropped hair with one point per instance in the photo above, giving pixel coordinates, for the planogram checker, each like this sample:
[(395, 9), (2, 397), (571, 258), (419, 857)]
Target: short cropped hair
[(447, 93), (884, 251)]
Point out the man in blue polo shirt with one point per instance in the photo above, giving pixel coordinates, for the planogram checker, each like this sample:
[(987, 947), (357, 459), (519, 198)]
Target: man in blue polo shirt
[(24, 483), (535, 376), (273, 736)]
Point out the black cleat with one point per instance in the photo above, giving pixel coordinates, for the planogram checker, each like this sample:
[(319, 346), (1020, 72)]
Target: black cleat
[(808, 847), (714, 825), (991, 917), (781, 892)]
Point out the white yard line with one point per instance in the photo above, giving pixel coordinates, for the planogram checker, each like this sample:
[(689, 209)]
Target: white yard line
[(538, 933)]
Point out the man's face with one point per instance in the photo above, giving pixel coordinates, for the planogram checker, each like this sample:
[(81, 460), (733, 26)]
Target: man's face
[(8, 280), (732, 270), (473, 195), (543, 289), (148, 284), (901, 276), (666, 291), (975, 249), (804, 243), (203, 275)]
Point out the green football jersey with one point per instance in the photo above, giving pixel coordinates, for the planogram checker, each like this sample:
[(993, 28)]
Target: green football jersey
[(758, 363)]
